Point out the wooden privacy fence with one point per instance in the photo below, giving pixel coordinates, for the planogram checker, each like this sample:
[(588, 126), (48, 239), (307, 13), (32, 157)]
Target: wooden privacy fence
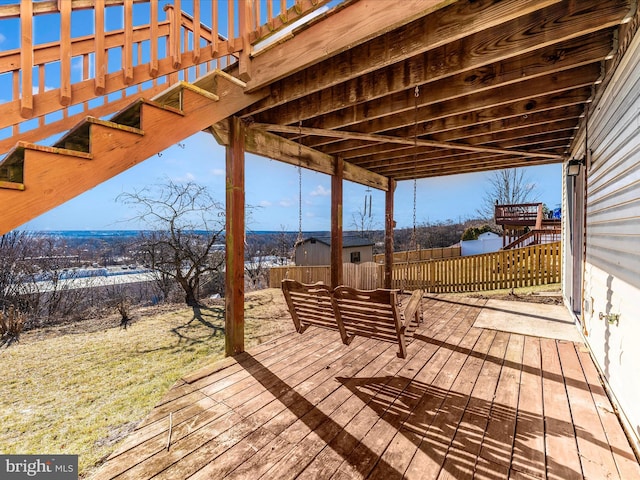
[(364, 276), (522, 267), (422, 254)]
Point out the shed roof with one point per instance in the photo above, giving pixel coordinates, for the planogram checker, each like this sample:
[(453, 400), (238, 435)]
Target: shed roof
[(347, 242)]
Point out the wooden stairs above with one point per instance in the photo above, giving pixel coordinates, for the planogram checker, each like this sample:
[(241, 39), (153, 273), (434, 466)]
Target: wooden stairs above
[(36, 178)]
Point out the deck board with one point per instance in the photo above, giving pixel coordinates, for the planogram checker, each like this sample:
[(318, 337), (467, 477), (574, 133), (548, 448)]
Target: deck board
[(466, 403)]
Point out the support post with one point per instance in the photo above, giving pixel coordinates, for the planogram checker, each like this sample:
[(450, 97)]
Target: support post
[(389, 225), (234, 238), (336, 223)]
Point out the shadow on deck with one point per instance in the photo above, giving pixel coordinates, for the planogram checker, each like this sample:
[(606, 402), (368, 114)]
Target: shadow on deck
[(468, 403)]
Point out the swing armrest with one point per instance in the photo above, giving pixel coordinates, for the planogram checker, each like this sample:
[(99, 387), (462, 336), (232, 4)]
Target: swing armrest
[(412, 310)]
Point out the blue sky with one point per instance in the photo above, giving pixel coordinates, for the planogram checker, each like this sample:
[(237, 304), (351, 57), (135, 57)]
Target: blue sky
[(270, 185), (273, 187)]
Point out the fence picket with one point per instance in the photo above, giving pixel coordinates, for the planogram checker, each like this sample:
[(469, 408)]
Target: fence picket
[(523, 267)]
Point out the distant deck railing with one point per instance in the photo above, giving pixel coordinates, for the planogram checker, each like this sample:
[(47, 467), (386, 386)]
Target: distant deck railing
[(116, 51), (522, 267), (526, 214)]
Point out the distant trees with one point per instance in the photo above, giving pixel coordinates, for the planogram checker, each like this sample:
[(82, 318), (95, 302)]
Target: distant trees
[(185, 224), (507, 187), (14, 249)]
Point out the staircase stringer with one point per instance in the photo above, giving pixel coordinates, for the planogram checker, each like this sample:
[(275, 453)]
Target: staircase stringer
[(115, 149)]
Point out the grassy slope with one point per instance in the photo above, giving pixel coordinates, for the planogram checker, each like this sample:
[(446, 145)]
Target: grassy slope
[(80, 393)]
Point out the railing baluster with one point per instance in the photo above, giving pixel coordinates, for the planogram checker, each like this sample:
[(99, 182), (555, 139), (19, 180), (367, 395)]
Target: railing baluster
[(153, 47), (230, 22), (256, 14), (173, 40), (100, 56), (65, 52), (26, 57), (127, 56), (196, 32), (214, 28)]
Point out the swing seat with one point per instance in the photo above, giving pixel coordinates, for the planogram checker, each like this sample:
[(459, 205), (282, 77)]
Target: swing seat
[(311, 304), (377, 314)]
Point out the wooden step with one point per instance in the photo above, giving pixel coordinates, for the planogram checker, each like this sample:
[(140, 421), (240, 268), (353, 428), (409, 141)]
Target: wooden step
[(173, 96), (131, 115), (79, 138), (12, 165), (11, 185), (52, 175)]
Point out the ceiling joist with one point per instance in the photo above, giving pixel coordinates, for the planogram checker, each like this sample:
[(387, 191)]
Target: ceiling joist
[(340, 134)]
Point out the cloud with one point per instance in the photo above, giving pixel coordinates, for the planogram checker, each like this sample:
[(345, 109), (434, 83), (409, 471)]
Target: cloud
[(36, 90), (285, 203), (264, 203), (187, 177), (320, 191), (218, 172)]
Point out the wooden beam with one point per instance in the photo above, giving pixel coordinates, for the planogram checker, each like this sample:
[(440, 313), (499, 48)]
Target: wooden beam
[(518, 162), (389, 225), (355, 151), (500, 128), (397, 140), (234, 238), (435, 25), (309, 46), (402, 124), (336, 223), (520, 55), (260, 142)]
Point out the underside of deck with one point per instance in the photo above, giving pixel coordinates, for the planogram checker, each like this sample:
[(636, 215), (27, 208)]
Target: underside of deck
[(466, 403)]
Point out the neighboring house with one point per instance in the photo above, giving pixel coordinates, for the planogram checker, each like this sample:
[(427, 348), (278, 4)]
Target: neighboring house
[(317, 251), (487, 242)]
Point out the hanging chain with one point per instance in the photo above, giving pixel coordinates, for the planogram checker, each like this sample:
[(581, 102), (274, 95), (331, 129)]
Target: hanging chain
[(416, 95), (299, 182)]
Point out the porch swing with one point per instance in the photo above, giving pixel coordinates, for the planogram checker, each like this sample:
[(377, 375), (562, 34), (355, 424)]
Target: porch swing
[(379, 314)]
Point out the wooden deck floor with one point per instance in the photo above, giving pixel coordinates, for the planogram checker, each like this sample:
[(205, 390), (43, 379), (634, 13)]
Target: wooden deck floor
[(467, 403)]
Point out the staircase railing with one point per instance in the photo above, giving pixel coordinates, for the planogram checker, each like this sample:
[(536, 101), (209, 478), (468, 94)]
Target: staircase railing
[(117, 51), (536, 237)]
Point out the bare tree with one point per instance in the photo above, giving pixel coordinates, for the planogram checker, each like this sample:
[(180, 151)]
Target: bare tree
[(362, 222), (506, 187), (185, 224)]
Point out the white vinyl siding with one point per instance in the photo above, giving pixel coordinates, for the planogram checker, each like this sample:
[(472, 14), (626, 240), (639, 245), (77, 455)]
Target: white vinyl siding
[(612, 262)]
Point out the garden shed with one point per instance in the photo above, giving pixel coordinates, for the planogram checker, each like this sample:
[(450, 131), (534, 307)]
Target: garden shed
[(317, 250)]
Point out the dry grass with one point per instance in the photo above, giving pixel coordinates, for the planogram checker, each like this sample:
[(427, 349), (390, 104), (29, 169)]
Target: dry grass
[(81, 393)]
